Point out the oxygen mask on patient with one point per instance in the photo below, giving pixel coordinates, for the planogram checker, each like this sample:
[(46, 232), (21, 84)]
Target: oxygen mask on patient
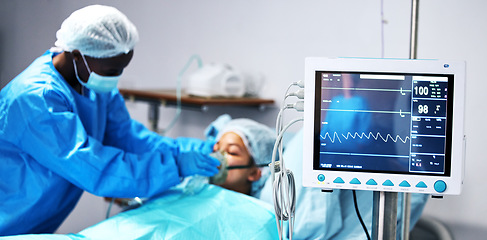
[(221, 176), (194, 184)]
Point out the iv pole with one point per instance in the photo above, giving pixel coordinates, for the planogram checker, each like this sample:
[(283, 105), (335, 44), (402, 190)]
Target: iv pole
[(384, 215), (406, 201)]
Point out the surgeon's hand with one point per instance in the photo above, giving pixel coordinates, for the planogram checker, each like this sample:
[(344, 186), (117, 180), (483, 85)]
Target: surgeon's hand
[(193, 144), (207, 147), (195, 163)]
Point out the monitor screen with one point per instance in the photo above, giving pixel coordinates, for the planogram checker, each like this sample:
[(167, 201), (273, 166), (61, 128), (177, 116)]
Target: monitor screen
[(381, 122), (376, 117)]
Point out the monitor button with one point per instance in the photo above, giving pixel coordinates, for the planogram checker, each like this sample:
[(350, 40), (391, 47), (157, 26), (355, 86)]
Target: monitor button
[(321, 177), (440, 186), (388, 183), (339, 180), (421, 185), (371, 182), (355, 181), (404, 184)]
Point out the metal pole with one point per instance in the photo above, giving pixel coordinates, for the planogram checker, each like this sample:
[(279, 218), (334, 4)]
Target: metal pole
[(414, 29), (384, 216), (406, 215), (413, 50)]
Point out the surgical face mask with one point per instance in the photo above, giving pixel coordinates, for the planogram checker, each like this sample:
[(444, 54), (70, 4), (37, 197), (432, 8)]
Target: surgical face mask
[(96, 82)]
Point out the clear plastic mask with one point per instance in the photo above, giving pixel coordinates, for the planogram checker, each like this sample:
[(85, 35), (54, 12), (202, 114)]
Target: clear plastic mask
[(221, 176)]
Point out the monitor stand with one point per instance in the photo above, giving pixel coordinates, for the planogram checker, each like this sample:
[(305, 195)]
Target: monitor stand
[(384, 215)]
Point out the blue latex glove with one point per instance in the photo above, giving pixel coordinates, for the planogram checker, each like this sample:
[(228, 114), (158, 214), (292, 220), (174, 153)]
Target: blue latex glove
[(193, 144), (196, 163), (207, 147)]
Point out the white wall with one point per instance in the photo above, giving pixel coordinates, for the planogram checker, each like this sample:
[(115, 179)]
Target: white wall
[(272, 37)]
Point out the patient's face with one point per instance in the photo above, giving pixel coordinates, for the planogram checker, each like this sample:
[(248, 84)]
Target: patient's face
[(237, 154)]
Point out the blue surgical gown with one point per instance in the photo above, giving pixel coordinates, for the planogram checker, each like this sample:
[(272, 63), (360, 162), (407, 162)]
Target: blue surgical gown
[(56, 143)]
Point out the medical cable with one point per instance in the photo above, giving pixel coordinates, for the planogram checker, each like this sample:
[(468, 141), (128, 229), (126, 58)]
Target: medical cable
[(284, 107), (284, 194), (247, 166), (110, 208), (299, 106), (358, 214), (126, 203), (299, 94), (178, 92), (277, 144), (299, 83)]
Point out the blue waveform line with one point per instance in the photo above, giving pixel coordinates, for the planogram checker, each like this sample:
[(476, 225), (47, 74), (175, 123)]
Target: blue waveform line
[(370, 135)]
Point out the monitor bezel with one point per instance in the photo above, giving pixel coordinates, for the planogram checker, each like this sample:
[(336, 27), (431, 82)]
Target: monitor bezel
[(388, 66)]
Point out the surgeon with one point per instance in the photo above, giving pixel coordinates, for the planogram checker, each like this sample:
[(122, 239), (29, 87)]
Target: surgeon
[(247, 147), (64, 129)]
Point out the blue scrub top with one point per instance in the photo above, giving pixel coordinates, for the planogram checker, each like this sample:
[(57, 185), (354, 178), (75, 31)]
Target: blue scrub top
[(55, 143)]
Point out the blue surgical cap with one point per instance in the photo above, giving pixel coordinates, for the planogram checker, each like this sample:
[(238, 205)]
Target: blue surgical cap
[(97, 31), (258, 138)]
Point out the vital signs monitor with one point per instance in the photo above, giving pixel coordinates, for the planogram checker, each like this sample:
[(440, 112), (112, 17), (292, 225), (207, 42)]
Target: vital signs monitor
[(384, 125)]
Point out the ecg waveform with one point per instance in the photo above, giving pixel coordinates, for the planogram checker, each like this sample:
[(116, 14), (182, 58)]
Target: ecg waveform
[(377, 136)]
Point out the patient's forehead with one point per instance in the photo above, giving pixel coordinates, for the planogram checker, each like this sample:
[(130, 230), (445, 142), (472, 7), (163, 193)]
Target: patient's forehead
[(232, 138)]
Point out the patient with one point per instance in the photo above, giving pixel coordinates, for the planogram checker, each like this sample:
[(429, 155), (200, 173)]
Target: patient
[(247, 146)]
